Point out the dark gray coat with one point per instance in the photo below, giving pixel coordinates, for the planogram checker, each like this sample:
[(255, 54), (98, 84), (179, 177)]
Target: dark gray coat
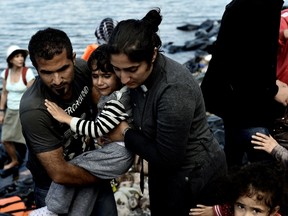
[(174, 137)]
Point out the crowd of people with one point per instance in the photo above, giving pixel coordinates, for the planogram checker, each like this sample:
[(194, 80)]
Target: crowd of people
[(84, 120)]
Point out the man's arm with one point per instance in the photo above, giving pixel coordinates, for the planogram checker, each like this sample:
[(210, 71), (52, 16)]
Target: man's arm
[(63, 172), (46, 141)]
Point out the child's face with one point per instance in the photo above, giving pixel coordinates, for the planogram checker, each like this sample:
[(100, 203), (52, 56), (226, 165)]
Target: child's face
[(247, 206), (105, 83)]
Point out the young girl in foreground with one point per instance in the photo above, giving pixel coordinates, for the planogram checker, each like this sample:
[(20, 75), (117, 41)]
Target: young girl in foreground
[(255, 189), (107, 161)]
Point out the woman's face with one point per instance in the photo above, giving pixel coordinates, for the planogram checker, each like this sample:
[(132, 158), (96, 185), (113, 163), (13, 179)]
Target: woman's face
[(131, 74), (18, 60)]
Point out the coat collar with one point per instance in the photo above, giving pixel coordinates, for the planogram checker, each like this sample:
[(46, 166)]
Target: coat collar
[(155, 76)]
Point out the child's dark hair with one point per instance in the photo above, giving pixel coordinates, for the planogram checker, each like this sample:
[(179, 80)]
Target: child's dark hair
[(258, 178), (137, 38), (100, 58)]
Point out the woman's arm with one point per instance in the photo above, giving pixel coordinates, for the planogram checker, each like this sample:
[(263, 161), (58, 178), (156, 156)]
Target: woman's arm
[(165, 134), (3, 101)]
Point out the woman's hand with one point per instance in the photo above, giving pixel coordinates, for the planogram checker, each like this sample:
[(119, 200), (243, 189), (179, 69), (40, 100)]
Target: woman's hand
[(281, 84), (103, 140), (264, 142), (117, 133)]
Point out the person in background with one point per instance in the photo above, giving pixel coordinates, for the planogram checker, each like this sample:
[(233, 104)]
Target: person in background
[(282, 57), (253, 189), (171, 130), (102, 34), (65, 80), (15, 80), (109, 160), (240, 83)]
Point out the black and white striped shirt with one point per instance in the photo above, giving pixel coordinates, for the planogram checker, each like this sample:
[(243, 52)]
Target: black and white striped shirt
[(111, 111)]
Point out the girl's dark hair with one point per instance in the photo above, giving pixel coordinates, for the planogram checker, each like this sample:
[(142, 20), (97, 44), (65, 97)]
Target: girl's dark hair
[(137, 38), (266, 180), (47, 43), (100, 57)]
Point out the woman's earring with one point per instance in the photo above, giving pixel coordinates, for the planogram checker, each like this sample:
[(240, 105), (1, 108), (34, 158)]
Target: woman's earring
[(155, 54)]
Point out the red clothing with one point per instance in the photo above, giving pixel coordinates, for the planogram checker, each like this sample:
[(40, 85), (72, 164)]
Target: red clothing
[(223, 210), (282, 59)]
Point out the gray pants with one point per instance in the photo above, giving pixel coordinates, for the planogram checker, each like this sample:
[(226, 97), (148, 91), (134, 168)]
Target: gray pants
[(108, 162)]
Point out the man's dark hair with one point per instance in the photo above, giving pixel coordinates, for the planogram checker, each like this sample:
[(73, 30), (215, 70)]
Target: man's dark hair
[(47, 43)]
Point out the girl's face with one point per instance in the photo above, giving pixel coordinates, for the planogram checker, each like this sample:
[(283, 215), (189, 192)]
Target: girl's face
[(105, 83), (18, 60), (131, 74), (247, 206)]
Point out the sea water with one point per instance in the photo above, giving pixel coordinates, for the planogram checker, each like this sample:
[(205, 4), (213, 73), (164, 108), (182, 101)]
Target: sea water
[(79, 18)]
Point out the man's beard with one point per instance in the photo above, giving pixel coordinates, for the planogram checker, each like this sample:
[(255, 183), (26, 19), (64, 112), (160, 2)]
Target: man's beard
[(61, 91)]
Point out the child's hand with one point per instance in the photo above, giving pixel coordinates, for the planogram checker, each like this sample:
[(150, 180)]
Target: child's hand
[(103, 140), (57, 112), (202, 210), (264, 142)]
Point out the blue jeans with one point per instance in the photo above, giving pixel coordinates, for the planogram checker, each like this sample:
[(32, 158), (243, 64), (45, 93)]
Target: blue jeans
[(105, 204), (238, 147), (40, 195), (217, 127)]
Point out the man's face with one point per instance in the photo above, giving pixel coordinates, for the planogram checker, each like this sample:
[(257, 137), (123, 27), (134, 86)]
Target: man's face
[(57, 74)]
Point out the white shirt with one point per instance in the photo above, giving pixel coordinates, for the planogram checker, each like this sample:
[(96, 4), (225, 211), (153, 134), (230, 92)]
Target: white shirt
[(16, 90)]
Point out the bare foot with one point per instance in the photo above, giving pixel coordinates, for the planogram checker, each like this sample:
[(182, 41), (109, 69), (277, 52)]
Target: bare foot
[(11, 165)]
